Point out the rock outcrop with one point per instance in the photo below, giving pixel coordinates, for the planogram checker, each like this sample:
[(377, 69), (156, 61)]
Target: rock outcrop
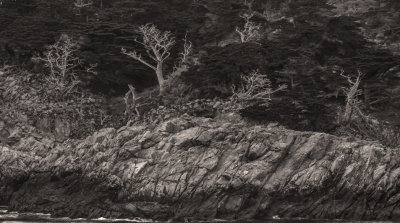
[(201, 168)]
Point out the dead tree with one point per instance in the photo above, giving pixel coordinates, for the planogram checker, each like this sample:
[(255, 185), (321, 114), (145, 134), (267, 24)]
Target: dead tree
[(63, 64), (61, 60), (255, 89), (352, 93), (250, 30), (131, 104), (185, 58), (157, 45)]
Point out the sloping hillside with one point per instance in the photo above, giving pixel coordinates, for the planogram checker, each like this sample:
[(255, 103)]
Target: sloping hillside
[(319, 138), (304, 42)]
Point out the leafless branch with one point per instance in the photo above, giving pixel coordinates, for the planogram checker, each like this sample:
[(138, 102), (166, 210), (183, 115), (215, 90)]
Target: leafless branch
[(138, 57), (250, 30), (63, 64), (187, 50), (131, 105), (157, 44), (255, 89), (352, 92)]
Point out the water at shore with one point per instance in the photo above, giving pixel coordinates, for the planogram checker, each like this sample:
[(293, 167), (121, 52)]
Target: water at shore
[(15, 217)]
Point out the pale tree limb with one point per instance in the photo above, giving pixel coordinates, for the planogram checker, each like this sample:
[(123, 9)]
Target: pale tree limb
[(63, 63), (187, 50), (186, 58), (352, 92), (250, 30), (133, 104), (157, 45), (255, 90), (138, 57)]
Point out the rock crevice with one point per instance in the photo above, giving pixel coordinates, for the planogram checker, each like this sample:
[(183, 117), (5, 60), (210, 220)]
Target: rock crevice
[(201, 168)]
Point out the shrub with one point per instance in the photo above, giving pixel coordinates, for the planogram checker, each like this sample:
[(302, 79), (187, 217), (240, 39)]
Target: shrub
[(255, 90), (63, 65)]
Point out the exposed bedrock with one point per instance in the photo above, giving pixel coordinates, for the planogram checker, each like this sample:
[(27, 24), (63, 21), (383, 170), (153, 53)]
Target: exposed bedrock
[(202, 168)]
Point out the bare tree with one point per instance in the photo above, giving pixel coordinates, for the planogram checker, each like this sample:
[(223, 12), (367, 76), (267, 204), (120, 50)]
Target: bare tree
[(185, 58), (256, 89), (352, 93), (158, 45), (63, 64), (250, 30), (61, 61), (131, 104), (187, 51)]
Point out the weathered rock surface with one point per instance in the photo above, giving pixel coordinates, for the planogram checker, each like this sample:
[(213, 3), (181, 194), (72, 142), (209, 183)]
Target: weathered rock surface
[(202, 168)]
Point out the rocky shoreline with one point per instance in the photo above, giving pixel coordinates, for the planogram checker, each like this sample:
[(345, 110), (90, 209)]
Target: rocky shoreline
[(202, 168)]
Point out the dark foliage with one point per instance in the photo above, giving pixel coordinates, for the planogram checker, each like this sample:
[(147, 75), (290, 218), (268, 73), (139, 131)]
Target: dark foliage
[(222, 67), (303, 49), (104, 29)]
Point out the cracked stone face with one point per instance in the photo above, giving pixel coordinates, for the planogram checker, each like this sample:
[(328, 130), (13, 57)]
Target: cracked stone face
[(205, 171)]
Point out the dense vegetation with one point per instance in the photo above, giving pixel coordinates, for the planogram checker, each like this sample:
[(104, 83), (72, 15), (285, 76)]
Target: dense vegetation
[(305, 45)]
